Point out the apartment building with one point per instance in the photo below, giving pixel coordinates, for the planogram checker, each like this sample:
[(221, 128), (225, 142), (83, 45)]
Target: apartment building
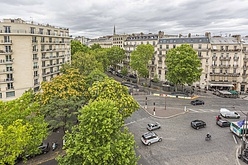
[(29, 54), (83, 40), (132, 41), (104, 42)]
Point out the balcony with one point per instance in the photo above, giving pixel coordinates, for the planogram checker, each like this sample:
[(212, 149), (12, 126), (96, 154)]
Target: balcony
[(235, 66), (7, 42), (10, 88), (214, 58), (225, 58), (224, 66), (35, 58), (235, 58), (9, 61), (4, 81), (213, 66)]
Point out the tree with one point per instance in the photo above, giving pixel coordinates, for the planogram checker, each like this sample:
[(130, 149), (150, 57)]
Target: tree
[(22, 128), (95, 76), (115, 55), (65, 86), (76, 46), (95, 46), (86, 63), (101, 57), (99, 138), (183, 65), (113, 90), (140, 58), (62, 112), (124, 71)]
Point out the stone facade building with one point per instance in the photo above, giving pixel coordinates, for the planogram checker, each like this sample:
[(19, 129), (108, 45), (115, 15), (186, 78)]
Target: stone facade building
[(29, 54)]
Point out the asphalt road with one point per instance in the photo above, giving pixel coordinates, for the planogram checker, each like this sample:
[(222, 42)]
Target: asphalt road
[(182, 144)]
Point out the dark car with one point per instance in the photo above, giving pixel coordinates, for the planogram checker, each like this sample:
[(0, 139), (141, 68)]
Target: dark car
[(153, 126), (197, 102), (223, 123), (197, 124)]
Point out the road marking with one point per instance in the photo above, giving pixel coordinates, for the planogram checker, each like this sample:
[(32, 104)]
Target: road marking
[(235, 140), (193, 110), (202, 110), (136, 121)]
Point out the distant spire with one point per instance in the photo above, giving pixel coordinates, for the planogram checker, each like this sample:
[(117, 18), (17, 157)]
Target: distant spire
[(114, 29)]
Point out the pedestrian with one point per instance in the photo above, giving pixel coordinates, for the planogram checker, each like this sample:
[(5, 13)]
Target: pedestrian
[(218, 118)]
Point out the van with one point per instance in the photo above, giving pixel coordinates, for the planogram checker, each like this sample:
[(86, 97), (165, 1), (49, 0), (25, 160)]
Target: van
[(229, 114)]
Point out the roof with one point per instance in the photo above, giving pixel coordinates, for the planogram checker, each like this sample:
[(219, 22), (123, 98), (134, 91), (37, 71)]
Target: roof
[(223, 40), (184, 40)]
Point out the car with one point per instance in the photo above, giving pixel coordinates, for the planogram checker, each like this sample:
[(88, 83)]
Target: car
[(223, 123), (197, 102), (197, 124), (150, 137), (44, 147), (229, 114), (153, 126)]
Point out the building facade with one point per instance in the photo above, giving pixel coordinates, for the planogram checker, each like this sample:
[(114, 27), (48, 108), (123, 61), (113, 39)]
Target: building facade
[(29, 54)]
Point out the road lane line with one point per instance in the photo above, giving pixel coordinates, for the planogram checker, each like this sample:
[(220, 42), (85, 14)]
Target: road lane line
[(235, 140), (193, 110)]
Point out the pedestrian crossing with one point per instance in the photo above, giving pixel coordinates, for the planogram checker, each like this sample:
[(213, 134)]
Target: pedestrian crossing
[(202, 110)]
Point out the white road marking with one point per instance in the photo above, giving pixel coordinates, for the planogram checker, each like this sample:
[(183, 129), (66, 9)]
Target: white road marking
[(235, 140), (193, 110)]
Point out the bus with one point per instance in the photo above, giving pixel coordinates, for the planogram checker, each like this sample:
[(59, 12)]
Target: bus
[(237, 130)]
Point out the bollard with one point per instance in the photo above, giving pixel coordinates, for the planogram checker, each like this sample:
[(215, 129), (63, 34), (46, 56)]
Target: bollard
[(154, 109), (146, 103), (185, 109)]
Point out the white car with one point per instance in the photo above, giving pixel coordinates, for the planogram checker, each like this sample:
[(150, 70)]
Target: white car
[(150, 137), (229, 114)]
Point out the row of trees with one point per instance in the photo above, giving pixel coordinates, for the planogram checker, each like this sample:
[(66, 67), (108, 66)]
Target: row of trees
[(87, 105)]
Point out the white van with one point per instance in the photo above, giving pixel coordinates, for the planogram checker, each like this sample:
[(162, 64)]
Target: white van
[(229, 114)]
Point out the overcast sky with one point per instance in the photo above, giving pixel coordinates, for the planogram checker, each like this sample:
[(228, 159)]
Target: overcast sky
[(95, 18)]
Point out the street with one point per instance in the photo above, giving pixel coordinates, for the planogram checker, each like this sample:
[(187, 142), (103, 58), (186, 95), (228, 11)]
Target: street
[(182, 144)]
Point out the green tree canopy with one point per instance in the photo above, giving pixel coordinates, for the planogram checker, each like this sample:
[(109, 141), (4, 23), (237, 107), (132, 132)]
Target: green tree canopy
[(86, 63), (76, 46), (115, 55), (140, 58), (22, 128), (183, 65), (113, 90), (95, 46), (99, 138)]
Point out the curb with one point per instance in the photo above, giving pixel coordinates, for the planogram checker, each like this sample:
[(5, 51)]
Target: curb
[(173, 96)]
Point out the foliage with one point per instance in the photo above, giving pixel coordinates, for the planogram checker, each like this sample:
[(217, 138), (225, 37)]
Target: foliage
[(183, 65), (65, 86), (85, 63), (95, 76), (76, 46), (62, 112), (115, 55), (22, 128), (113, 90), (155, 78), (140, 58), (95, 46), (99, 138), (101, 57), (124, 71)]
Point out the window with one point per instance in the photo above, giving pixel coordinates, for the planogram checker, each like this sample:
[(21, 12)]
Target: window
[(44, 78), (10, 94), (6, 39), (221, 48), (35, 48), (160, 46), (48, 32), (32, 30), (160, 52), (1, 96), (234, 70), (34, 39), (174, 46), (35, 57), (9, 68), (167, 46), (42, 39), (36, 82), (35, 66), (7, 29), (10, 77), (154, 43), (7, 49), (43, 63), (10, 86), (35, 73), (159, 71), (235, 47), (226, 47), (227, 54), (8, 58), (199, 54), (40, 31), (199, 46)]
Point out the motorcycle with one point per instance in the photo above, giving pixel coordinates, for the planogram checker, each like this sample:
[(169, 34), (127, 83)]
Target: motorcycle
[(54, 146), (208, 137)]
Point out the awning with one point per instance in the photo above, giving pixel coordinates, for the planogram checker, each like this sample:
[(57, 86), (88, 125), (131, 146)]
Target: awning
[(221, 85)]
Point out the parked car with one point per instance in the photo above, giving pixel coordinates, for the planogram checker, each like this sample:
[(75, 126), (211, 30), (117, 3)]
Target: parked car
[(44, 147), (197, 124), (197, 102), (223, 123), (153, 126), (150, 137), (229, 114)]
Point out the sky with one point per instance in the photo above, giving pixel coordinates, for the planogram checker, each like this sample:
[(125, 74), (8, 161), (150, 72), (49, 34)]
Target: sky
[(96, 18)]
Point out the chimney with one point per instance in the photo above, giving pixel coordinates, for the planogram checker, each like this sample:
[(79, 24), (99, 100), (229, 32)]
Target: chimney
[(160, 34)]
